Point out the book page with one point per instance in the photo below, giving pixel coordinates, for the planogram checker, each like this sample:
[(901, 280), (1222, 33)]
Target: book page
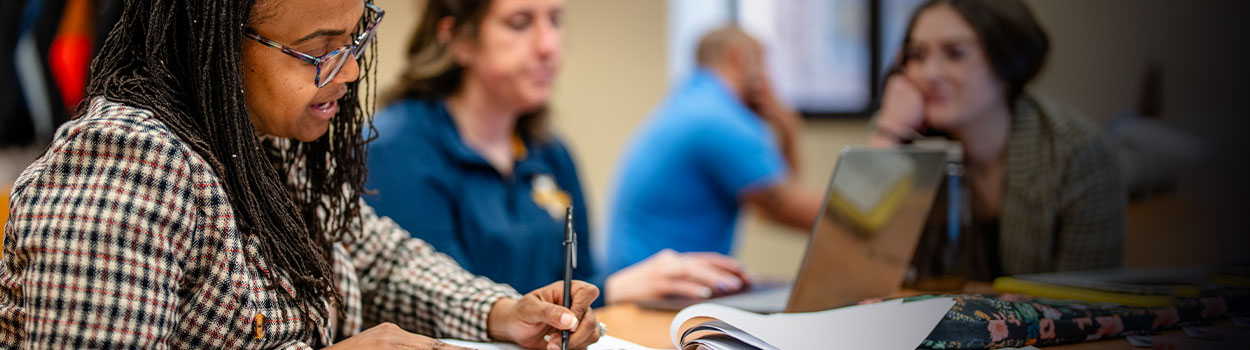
[(890, 324)]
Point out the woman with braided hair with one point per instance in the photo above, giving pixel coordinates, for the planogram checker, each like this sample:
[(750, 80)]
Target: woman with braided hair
[(207, 195)]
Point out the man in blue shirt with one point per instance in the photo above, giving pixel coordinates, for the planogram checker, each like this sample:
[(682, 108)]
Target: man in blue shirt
[(720, 140)]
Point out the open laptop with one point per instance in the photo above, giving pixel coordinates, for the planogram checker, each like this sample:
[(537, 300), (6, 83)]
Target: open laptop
[(862, 244)]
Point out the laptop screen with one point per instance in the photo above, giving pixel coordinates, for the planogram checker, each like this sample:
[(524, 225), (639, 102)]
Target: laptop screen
[(861, 245)]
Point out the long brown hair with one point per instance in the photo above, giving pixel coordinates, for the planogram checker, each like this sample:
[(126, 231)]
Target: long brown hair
[(181, 60), (431, 71)]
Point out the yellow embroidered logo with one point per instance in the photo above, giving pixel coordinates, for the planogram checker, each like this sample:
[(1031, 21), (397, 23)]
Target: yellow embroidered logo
[(549, 196)]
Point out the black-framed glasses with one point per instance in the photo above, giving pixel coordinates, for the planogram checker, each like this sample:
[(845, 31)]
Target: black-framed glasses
[(328, 65)]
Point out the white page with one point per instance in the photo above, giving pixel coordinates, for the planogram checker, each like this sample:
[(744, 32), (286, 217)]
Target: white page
[(886, 325), (606, 342)]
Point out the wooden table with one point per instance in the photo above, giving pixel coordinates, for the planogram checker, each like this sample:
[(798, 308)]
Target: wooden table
[(649, 328)]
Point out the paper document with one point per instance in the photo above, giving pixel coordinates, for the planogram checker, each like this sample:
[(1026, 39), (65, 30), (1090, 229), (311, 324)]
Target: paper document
[(606, 342), (890, 324)]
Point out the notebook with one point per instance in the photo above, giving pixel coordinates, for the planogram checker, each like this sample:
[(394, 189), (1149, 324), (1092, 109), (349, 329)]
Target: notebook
[(1143, 287)]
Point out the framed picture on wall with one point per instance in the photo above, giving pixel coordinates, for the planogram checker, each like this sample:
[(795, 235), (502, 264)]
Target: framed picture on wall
[(825, 57)]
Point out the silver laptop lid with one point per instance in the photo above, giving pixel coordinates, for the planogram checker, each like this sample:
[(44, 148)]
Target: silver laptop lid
[(874, 210)]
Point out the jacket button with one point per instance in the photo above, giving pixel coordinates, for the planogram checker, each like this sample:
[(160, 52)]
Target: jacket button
[(258, 325)]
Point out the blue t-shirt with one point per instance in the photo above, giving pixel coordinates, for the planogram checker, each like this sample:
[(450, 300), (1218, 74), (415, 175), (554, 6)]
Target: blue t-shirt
[(507, 228), (684, 171)]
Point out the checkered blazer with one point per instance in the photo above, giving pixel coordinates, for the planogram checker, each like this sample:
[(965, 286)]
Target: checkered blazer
[(120, 236), (1063, 200)]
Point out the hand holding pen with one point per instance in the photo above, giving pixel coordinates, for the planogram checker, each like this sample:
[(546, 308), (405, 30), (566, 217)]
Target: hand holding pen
[(538, 321), (535, 320)]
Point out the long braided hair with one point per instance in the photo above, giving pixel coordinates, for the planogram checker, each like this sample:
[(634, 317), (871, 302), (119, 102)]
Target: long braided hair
[(181, 59)]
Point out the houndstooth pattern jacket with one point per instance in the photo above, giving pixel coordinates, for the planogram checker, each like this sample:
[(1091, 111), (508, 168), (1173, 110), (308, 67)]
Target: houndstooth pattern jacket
[(1063, 196), (120, 236)]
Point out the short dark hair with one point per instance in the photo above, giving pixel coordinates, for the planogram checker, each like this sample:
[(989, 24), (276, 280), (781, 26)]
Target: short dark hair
[(1014, 42)]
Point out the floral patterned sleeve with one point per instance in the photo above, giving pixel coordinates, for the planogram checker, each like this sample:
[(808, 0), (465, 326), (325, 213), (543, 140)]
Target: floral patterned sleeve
[(405, 281)]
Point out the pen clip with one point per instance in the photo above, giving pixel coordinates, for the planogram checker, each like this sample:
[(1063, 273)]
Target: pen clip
[(570, 237)]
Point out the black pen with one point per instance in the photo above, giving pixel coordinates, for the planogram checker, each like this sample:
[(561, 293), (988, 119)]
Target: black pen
[(570, 263)]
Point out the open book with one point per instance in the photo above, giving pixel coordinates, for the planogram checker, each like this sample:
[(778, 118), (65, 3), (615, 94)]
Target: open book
[(890, 324)]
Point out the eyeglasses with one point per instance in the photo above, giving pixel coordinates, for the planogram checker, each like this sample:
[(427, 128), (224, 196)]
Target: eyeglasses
[(328, 65)]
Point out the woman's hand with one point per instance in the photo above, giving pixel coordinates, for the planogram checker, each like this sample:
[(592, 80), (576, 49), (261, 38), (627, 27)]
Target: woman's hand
[(902, 113), (390, 336), (690, 275), (535, 321)]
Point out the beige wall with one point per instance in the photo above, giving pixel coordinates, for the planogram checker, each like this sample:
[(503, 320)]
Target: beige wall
[(393, 34), (614, 74), (1100, 49)]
